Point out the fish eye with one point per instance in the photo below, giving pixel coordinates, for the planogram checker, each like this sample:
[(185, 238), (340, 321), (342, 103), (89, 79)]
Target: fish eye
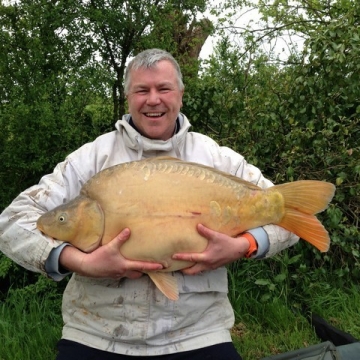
[(62, 218)]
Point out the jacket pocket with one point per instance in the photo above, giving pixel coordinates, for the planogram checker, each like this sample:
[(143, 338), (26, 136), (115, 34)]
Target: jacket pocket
[(208, 281)]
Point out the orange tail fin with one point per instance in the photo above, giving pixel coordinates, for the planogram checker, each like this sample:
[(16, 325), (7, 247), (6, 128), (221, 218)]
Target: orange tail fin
[(303, 199)]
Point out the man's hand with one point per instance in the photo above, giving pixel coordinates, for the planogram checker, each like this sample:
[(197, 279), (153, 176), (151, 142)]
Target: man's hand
[(221, 250), (106, 261)]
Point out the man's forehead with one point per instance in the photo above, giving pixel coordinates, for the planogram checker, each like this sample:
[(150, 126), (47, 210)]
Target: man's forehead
[(141, 83)]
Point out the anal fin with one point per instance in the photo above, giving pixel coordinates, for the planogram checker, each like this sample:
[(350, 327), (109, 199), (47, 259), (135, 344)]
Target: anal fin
[(166, 283)]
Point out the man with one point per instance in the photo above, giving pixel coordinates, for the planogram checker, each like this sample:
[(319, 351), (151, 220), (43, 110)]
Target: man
[(110, 309)]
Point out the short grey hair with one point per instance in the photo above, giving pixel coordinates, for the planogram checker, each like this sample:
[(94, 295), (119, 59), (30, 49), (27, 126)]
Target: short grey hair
[(148, 59)]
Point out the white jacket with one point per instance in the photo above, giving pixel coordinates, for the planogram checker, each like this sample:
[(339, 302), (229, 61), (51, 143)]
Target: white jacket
[(131, 316)]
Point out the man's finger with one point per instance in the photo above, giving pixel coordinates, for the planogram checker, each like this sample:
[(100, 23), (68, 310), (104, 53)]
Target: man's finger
[(194, 270), (192, 257), (120, 238), (134, 274), (124, 235), (206, 232), (143, 266)]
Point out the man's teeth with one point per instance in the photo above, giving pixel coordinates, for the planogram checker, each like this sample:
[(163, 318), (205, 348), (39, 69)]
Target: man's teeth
[(154, 114)]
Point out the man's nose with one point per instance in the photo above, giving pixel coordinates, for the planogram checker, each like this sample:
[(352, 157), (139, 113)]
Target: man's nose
[(153, 98)]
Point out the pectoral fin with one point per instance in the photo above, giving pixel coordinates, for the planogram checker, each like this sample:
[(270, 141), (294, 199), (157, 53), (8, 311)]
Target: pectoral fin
[(166, 283)]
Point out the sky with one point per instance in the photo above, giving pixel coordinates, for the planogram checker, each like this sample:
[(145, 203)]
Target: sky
[(251, 16)]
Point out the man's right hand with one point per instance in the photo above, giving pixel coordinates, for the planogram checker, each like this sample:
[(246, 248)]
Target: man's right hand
[(106, 261)]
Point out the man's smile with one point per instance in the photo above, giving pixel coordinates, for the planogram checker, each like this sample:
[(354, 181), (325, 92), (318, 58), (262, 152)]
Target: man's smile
[(154, 115)]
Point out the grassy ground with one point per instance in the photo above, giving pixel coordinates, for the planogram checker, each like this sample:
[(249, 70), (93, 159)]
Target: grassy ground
[(278, 331), (275, 327), (30, 325), (30, 322)]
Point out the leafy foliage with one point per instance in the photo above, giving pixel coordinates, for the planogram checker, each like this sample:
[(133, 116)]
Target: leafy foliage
[(295, 120)]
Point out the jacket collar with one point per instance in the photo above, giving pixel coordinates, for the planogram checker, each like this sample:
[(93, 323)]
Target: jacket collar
[(145, 146)]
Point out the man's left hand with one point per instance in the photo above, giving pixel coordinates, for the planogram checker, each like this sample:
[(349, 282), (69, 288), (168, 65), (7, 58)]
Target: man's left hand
[(221, 250)]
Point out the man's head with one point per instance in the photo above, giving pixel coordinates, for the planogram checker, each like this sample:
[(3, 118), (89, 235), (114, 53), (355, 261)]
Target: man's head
[(149, 59), (154, 90)]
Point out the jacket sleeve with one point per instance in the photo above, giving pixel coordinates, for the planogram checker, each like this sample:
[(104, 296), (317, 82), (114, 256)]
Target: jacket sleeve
[(20, 240), (229, 161)]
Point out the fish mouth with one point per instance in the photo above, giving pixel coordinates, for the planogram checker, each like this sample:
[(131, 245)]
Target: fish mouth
[(43, 232), (41, 226)]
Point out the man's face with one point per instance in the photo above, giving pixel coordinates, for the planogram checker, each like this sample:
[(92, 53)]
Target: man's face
[(155, 100)]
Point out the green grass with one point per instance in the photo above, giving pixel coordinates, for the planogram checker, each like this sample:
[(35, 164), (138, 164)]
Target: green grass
[(271, 329), (340, 307), (30, 324), (275, 326), (30, 318)]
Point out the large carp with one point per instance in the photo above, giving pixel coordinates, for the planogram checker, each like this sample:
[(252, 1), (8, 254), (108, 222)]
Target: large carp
[(162, 200)]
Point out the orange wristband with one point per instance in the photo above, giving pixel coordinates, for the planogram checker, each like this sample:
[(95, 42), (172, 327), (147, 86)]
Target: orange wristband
[(253, 244)]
